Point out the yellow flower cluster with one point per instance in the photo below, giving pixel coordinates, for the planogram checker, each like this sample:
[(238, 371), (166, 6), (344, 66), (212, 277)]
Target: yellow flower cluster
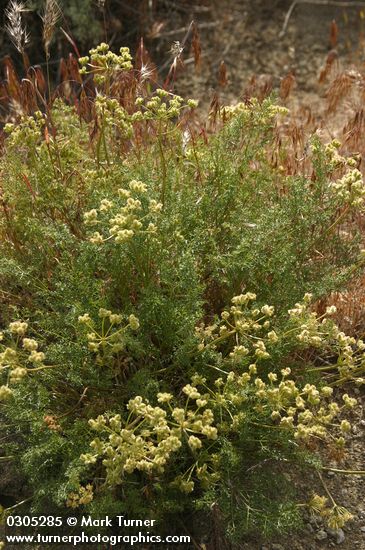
[(336, 516), (248, 325), (15, 357), (149, 437), (349, 188), (84, 496), (162, 106), (307, 411), (266, 111), (130, 219), (104, 64), (109, 339), (27, 130), (333, 158), (112, 114), (321, 332)]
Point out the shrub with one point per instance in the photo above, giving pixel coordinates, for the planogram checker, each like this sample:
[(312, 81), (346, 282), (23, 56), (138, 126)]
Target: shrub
[(140, 370)]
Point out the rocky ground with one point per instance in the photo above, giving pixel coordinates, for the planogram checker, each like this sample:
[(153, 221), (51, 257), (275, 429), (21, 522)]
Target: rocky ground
[(248, 36)]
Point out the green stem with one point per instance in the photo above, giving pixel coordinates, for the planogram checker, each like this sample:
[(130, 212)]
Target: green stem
[(42, 368), (17, 505), (340, 217), (221, 338), (339, 471), (163, 164), (326, 489)]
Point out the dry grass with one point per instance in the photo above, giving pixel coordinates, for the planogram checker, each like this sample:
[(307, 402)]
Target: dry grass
[(52, 13)]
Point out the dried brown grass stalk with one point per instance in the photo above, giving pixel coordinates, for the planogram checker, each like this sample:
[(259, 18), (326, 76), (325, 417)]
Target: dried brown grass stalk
[(222, 75), (330, 65), (340, 88), (52, 13), (333, 34), (214, 110), (350, 304), (286, 86), (259, 86), (14, 27), (196, 47), (12, 81), (176, 50), (354, 132)]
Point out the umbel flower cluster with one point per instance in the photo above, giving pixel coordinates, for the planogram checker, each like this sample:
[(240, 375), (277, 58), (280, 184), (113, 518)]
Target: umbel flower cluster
[(104, 64), (150, 436), (263, 111), (320, 332), (108, 340), (19, 357), (83, 497), (244, 386), (28, 130), (162, 106), (349, 189), (113, 116), (132, 214), (335, 515)]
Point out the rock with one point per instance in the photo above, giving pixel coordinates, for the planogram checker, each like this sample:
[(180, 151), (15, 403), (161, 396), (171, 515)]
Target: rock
[(309, 528), (340, 538), (337, 534), (321, 535), (362, 529), (330, 473), (315, 520), (277, 547)]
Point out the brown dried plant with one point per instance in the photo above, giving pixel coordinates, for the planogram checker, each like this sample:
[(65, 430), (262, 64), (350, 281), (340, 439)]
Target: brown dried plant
[(222, 75), (286, 86), (331, 65), (15, 27), (350, 304), (341, 88), (333, 34), (52, 13), (196, 46)]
